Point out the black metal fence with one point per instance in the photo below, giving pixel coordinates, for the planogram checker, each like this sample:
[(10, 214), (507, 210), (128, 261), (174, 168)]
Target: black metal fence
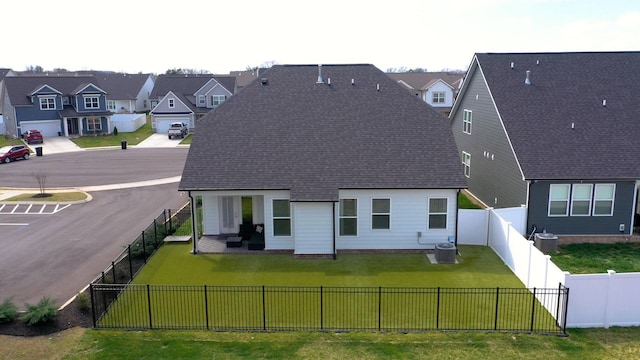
[(127, 264), (277, 308)]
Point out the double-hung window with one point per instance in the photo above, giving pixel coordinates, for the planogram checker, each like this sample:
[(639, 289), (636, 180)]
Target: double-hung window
[(466, 162), (438, 97), (94, 124), (217, 99), (48, 103), (559, 199), (111, 105), (91, 102), (467, 118), (603, 199), (281, 217), (380, 214), (202, 102), (581, 199), (438, 213), (348, 217)]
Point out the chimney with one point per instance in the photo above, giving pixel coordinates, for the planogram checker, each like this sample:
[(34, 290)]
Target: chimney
[(319, 81), (527, 80)]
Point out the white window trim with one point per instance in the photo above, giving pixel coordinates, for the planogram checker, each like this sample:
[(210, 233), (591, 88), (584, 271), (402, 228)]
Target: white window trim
[(96, 121), (111, 104), (572, 195), (439, 97), (46, 102), (202, 100), (467, 121), (466, 161), (171, 103), (568, 200), (274, 218), (445, 213), (340, 217), (381, 214), (613, 200), (88, 100)]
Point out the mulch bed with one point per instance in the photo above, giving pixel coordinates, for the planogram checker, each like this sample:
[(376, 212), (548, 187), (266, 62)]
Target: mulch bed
[(69, 317)]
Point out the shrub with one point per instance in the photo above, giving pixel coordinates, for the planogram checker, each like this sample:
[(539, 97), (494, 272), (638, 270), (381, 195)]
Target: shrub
[(44, 311), (115, 131), (83, 300), (8, 311)]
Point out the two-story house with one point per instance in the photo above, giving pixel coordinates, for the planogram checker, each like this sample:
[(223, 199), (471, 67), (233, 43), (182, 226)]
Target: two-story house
[(186, 98), (557, 133), (126, 93), (438, 89), (55, 105), (324, 159)]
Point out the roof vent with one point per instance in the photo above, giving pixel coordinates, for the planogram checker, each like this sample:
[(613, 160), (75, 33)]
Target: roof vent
[(329, 81), (538, 62), (377, 87), (319, 81), (527, 80), (353, 81), (512, 64), (264, 81), (604, 102)]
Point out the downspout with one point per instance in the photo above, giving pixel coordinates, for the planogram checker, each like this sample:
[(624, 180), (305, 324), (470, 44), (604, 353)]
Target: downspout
[(333, 222), (194, 223), (455, 239)]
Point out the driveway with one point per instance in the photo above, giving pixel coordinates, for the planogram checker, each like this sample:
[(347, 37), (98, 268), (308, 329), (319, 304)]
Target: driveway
[(56, 145), (158, 140)]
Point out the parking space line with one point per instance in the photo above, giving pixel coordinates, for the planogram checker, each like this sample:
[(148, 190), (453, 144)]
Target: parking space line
[(32, 209)]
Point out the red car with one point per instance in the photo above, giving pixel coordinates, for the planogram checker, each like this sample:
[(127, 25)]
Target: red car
[(31, 136), (12, 153)]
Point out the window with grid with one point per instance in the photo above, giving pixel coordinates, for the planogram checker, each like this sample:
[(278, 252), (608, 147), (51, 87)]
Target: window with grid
[(172, 103), (559, 199), (438, 213), (603, 199), (380, 213), (111, 104), (47, 103), (94, 124), (348, 217), (281, 217), (91, 102), (438, 97), (201, 100), (466, 161), (467, 118), (217, 99)]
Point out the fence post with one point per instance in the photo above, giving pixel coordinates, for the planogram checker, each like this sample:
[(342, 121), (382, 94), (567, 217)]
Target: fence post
[(533, 308), (149, 305), (379, 307), (130, 262), (155, 233), (164, 213), (170, 221), (113, 271), (93, 306), (144, 249), (566, 309), (495, 324), (264, 311), (321, 311), (206, 307), (438, 311)]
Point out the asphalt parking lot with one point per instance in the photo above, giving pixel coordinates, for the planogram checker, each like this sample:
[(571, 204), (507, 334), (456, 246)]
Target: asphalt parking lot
[(57, 253)]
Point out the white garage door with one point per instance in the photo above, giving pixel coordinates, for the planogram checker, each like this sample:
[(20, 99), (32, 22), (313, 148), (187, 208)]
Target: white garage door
[(46, 127), (163, 124)]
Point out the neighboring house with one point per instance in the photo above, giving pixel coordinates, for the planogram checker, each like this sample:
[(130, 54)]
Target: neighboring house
[(55, 105), (4, 73), (557, 133), (438, 89), (186, 98), (246, 77), (326, 158), (126, 93)]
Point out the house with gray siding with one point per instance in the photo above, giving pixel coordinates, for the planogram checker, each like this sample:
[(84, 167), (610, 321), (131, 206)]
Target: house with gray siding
[(324, 159), (557, 133), (187, 98)]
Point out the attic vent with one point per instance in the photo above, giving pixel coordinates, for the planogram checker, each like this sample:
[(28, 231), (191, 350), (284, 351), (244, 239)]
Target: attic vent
[(264, 81), (527, 80), (319, 81)]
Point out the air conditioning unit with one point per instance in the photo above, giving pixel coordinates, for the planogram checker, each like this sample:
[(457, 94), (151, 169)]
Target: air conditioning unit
[(445, 253)]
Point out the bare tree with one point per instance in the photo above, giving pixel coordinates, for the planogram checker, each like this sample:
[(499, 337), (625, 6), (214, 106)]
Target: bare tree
[(41, 178)]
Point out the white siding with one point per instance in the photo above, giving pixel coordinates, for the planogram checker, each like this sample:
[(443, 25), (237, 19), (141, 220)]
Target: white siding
[(438, 87), (313, 227), (275, 242), (408, 218), (210, 214)]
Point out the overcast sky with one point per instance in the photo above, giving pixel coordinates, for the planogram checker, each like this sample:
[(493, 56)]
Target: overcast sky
[(224, 35)]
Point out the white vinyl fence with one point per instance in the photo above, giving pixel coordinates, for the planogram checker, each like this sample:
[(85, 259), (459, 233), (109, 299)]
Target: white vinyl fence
[(128, 122), (595, 300)]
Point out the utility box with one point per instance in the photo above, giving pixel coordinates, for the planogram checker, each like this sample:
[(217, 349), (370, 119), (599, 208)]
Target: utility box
[(445, 253), (546, 242)]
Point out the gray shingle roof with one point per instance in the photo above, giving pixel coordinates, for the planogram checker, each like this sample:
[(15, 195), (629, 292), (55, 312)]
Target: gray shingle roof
[(121, 86), (558, 126), (314, 139), (188, 84), (19, 87)]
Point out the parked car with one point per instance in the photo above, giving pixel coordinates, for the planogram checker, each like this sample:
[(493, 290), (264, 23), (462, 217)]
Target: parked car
[(178, 129), (33, 136), (12, 153)]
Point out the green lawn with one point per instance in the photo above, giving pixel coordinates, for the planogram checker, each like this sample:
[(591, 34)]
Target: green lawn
[(598, 258), (132, 138), (478, 267), (465, 203), (10, 142)]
